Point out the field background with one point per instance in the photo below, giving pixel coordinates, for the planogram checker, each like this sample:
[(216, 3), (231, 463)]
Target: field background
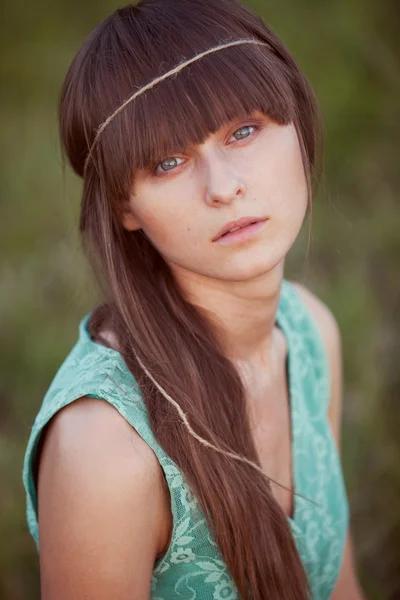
[(350, 50)]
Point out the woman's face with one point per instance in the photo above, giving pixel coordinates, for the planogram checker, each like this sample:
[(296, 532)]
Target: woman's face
[(250, 167)]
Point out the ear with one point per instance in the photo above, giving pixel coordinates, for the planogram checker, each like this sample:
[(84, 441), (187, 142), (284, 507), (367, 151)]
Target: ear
[(129, 221)]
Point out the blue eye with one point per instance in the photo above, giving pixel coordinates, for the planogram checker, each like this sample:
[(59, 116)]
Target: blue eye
[(167, 161), (244, 128)]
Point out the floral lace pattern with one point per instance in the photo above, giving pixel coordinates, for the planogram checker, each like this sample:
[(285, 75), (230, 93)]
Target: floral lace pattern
[(193, 567)]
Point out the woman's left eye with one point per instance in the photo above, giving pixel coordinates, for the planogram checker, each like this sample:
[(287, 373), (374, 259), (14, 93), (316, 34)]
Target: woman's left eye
[(245, 128)]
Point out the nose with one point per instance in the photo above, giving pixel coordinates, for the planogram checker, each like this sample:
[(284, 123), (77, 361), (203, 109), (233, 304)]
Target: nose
[(223, 182)]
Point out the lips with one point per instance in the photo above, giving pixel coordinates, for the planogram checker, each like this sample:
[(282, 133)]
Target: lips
[(242, 222)]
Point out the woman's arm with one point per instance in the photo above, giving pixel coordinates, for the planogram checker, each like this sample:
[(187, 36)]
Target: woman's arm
[(100, 509), (347, 587)]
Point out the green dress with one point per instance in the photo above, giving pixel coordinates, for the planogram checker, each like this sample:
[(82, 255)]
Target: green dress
[(193, 567)]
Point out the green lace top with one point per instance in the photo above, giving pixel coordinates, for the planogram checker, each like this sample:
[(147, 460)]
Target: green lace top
[(193, 567)]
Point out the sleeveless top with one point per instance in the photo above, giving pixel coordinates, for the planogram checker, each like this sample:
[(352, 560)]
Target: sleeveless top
[(193, 567)]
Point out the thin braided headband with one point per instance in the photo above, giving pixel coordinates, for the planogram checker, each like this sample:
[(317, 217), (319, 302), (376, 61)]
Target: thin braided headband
[(151, 84)]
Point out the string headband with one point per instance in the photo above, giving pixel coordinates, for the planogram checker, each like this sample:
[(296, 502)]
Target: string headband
[(151, 84)]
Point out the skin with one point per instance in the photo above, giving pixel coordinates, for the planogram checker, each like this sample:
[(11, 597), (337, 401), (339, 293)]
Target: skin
[(227, 178), (102, 502)]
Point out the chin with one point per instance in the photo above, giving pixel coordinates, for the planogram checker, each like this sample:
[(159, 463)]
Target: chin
[(248, 269)]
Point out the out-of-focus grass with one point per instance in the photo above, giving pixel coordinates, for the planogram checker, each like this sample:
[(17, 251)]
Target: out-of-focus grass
[(349, 50)]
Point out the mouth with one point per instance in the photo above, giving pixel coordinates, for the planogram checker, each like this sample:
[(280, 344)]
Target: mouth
[(240, 229)]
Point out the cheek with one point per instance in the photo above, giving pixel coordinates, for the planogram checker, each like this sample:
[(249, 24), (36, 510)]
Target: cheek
[(168, 225), (290, 184)]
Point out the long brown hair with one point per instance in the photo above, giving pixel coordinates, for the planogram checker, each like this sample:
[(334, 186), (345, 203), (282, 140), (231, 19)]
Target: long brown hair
[(154, 324)]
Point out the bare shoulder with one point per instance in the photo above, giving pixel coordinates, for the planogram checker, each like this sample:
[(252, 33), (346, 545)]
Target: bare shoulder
[(100, 505), (330, 333), (93, 429)]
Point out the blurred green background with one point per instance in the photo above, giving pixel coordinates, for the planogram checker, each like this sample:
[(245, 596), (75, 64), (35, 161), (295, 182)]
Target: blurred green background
[(350, 50)]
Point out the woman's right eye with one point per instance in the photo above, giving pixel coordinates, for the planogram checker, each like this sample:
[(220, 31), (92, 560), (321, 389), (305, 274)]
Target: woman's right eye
[(171, 161)]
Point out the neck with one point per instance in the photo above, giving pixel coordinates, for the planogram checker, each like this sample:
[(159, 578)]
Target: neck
[(243, 313)]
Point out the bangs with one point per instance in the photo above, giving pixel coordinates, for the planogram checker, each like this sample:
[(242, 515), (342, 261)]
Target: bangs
[(101, 127), (184, 109)]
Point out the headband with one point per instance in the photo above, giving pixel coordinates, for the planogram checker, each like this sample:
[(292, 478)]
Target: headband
[(151, 84)]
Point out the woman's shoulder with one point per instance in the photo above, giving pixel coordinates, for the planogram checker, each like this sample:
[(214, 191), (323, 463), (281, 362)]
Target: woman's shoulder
[(93, 402), (91, 434)]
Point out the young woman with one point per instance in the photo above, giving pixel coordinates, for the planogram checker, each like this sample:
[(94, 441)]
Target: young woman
[(188, 445)]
